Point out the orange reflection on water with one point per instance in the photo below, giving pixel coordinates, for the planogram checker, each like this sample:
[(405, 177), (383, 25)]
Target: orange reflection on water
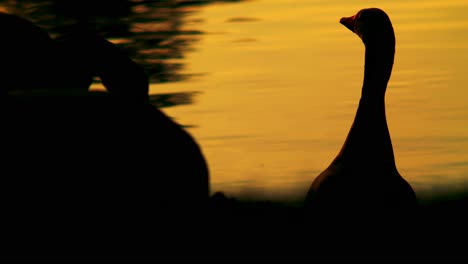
[(274, 110)]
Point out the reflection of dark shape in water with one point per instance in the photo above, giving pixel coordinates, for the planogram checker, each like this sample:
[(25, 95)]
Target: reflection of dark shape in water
[(152, 33), (172, 99), (364, 176)]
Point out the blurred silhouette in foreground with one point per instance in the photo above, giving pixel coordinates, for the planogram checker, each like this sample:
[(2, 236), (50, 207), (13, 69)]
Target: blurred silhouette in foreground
[(66, 65), (86, 54), (363, 177), (107, 175), (88, 173), (26, 51)]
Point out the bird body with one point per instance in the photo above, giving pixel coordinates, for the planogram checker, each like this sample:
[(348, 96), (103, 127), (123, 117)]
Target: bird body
[(83, 171), (363, 175)]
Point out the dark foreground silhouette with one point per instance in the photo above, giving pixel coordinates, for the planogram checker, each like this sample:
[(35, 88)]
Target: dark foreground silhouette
[(88, 173), (77, 169), (82, 55), (363, 176), (26, 51), (97, 175)]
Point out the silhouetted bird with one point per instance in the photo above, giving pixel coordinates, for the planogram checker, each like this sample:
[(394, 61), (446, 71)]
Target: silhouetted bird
[(26, 51), (364, 176), (90, 173), (87, 54), (66, 65)]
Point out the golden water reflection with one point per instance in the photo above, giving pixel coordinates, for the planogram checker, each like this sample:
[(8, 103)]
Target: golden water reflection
[(282, 82), (269, 88)]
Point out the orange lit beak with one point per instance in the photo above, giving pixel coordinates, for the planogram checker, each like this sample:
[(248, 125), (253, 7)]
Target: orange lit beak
[(348, 22)]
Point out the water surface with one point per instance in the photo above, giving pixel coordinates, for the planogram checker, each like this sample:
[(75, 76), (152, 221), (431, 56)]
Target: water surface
[(269, 88), (280, 83)]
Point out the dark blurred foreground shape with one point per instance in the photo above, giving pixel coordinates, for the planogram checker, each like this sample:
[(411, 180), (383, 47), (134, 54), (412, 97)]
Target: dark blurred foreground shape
[(96, 175), (88, 173), (80, 167)]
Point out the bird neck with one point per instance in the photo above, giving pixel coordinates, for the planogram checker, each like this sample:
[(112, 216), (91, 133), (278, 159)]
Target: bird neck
[(377, 70), (368, 140)]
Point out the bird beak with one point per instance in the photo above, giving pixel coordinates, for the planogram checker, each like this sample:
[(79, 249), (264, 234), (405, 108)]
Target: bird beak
[(348, 22)]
